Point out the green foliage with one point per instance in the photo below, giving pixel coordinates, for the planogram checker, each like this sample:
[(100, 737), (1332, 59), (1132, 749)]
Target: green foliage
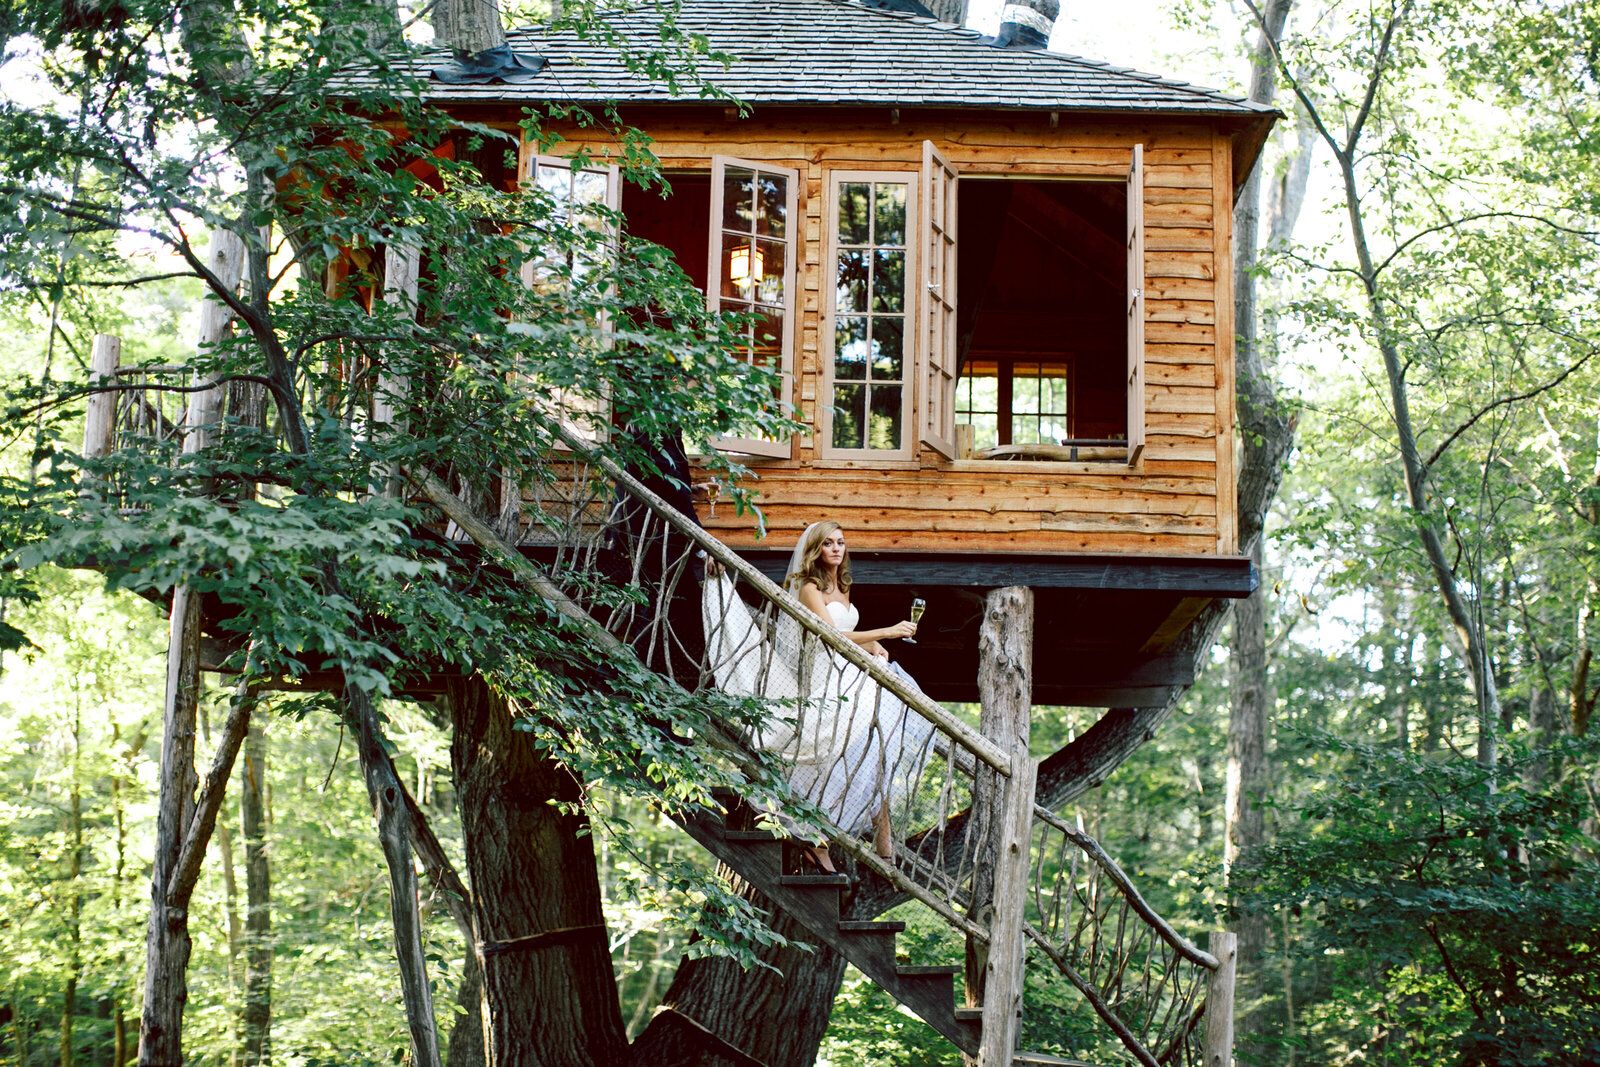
[(1470, 897)]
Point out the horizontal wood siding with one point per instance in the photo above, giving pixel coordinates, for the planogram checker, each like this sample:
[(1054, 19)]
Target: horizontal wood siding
[(1170, 503)]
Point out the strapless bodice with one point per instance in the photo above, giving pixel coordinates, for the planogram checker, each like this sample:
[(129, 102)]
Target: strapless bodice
[(845, 616)]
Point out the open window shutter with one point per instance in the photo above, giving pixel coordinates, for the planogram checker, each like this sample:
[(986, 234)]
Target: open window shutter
[(747, 240), (1136, 306), (938, 355)]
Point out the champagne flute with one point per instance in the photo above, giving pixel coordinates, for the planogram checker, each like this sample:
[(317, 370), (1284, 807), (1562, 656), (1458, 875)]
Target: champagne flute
[(918, 606)]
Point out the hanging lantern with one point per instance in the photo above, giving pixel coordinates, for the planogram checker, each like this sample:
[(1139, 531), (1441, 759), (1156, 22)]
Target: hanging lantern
[(744, 265)]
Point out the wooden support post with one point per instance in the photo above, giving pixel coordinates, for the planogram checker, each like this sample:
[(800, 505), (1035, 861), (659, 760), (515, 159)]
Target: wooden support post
[(100, 416), (226, 260), (402, 268), (1219, 1000), (1004, 807), (167, 941)]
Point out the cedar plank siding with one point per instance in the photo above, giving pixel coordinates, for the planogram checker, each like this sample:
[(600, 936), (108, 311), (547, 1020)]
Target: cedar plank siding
[(1178, 500)]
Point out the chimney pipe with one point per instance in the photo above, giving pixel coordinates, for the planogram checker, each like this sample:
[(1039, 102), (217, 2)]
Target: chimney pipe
[(1027, 23)]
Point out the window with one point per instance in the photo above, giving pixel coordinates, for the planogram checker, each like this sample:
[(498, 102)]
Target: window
[(752, 269), (866, 395), (1049, 335), (1015, 402), (582, 195)]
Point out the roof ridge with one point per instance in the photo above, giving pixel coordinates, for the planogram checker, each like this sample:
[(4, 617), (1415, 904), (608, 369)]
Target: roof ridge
[(1069, 57)]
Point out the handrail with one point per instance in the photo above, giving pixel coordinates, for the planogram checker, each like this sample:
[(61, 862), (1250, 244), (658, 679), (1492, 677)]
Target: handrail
[(980, 745), (1091, 847)]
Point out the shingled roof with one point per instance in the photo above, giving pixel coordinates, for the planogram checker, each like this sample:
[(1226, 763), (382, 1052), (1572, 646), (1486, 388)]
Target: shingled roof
[(834, 52)]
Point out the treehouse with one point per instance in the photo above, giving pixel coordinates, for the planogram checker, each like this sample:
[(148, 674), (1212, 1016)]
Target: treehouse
[(997, 284)]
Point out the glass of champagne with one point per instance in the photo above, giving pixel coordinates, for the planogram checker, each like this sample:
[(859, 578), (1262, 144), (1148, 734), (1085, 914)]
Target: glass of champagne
[(918, 606)]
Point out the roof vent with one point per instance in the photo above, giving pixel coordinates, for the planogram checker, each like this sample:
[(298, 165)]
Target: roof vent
[(1026, 23)]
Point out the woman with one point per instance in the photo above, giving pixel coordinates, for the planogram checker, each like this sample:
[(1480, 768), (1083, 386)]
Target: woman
[(855, 748)]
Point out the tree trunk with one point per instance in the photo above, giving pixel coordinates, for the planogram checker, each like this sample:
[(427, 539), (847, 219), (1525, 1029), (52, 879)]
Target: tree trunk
[(167, 941), (776, 1016), (257, 1014), (1005, 695), (549, 989), (468, 25), (1267, 432), (1246, 784), (951, 11), (388, 800)]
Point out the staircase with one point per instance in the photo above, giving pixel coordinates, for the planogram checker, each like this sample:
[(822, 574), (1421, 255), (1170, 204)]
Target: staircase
[(814, 901)]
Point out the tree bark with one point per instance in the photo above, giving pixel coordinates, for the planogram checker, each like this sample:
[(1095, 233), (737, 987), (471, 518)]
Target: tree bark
[(1266, 430), (548, 987), (951, 11), (468, 25), (394, 835), (257, 1014), (777, 1015), (167, 941), (1005, 694)]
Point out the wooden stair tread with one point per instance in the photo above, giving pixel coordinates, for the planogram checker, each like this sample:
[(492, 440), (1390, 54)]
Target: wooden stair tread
[(969, 1015), (857, 926), (814, 879), (1045, 1059), (920, 970)]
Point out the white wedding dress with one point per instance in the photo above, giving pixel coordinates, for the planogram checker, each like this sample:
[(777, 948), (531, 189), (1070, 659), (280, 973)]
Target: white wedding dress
[(852, 744)]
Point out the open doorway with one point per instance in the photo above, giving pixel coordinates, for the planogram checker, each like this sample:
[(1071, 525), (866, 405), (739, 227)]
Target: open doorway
[(1042, 319)]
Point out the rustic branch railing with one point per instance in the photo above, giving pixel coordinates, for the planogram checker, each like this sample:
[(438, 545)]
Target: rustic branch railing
[(1141, 977)]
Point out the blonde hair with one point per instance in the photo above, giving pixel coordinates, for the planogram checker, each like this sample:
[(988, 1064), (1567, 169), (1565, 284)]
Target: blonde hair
[(811, 569)]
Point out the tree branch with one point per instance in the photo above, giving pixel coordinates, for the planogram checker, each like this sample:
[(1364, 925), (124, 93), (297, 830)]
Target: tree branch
[(1434, 456)]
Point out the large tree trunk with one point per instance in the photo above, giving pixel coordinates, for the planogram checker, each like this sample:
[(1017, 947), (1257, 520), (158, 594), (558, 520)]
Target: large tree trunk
[(468, 25), (548, 987), (1267, 433), (776, 1016), (257, 1015)]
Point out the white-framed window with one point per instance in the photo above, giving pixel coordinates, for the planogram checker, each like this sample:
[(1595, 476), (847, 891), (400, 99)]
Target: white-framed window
[(586, 194), (871, 331), (755, 231), (1023, 391)]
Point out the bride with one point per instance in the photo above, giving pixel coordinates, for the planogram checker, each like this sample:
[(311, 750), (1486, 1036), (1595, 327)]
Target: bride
[(856, 750)]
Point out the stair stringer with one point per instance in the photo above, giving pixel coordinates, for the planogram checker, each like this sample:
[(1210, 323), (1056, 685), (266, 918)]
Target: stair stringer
[(813, 901)]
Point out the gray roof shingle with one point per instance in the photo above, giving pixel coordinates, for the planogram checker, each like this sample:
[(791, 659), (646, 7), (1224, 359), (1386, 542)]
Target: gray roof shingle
[(833, 52)]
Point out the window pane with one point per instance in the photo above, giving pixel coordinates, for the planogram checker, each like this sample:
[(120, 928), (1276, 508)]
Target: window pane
[(772, 205), (852, 282), (850, 349), (887, 348), (768, 337), (741, 265), (890, 214), (738, 195), (1053, 430), (589, 187), (888, 281), (855, 222), (556, 181), (849, 402), (985, 431), (1055, 400), (769, 271), (1024, 430), (1024, 394), (884, 426)]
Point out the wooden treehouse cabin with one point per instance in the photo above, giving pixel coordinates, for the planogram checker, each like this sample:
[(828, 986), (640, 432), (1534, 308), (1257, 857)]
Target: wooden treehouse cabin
[(996, 285), (997, 282)]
